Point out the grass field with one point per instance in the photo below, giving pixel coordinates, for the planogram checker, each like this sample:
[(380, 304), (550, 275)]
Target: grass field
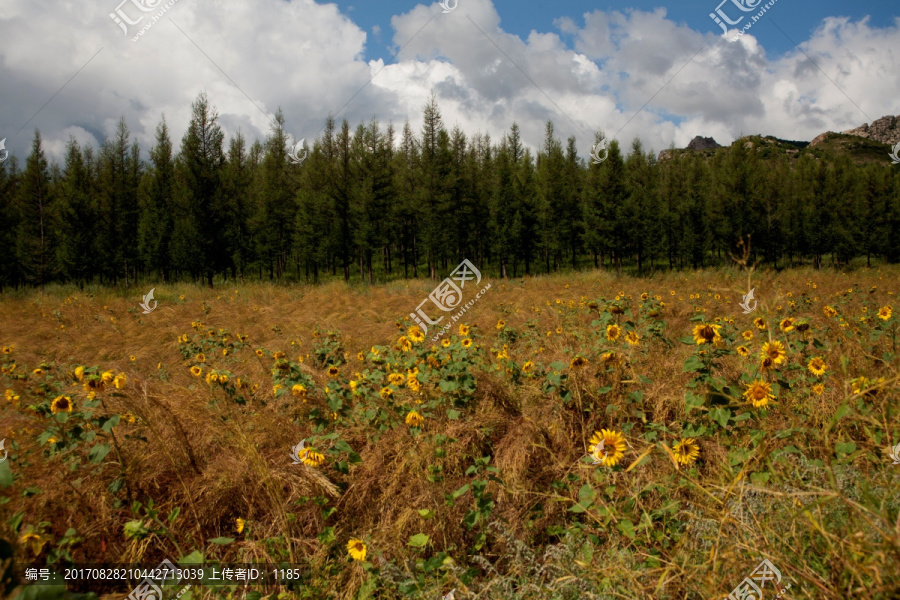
[(465, 464)]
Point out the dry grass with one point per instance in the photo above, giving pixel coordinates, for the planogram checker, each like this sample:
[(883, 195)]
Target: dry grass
[(828, 519)]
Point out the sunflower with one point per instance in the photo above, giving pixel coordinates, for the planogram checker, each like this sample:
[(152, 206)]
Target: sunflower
[(817, 366), (61, 404), (132, 358), (775, 351), (35, 541), (645, 296), (7, 349), (787, 324), (311, 457), (885, 312), (466, 343), (829, 311), (414, 419), (79, 373), (464, 330), (415, 334), (385, 393), (633, 338), (759, 393), (239, 525), (707, 333), (818, 389), (196, 371), (760, 323), (120, 380), (747, 335), (686, 451), (413, 384), (396, 379), (559, 330), (333, 372), (742, 350), (38, 372), (356, 549), (445, 343), (299, 391), (128, 418), (212, 377), (528, 367), (501, 324), (578, 361), (201, 358), (613, 332), (613, 446)]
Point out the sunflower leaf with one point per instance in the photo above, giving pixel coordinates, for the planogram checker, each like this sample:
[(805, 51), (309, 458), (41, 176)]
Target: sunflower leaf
[(98, 453), (221, 541), (418, 541), (626, 527)]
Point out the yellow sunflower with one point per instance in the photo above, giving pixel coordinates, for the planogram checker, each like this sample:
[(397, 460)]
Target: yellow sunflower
[(414, 419), (239, 525), (707, 333), (759, 393), (817, 366), (445, 343), (775, 351), (79, 373), (61, 404), (787, 324), (742, 350), (760, 323), (464, 330), (299, 391), (501, 324), (386, 393), (613, 332), (415, 334), (885, 312), (578, 361), (818, 389), (196, 371), (528, 367), (34, 541), (201, 358), (120, 380), (633, 338), (38, 372), (396, 379), (333, 372), (686, 451), (747, 335), (311, 457), (613, 445), (356, 549), (259, 352), (466, 343)]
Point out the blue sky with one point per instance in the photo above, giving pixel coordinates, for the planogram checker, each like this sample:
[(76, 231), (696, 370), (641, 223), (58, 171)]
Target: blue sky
[(648, 71), (798, 18)]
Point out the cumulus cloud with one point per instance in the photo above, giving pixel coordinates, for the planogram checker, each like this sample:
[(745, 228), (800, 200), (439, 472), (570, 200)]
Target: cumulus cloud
[(589, 72)]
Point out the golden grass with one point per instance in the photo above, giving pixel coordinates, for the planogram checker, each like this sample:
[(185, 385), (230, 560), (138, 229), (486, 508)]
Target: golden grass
[(832, 528)]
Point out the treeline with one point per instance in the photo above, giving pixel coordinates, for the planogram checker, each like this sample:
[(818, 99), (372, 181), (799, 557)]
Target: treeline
[(364, 206)]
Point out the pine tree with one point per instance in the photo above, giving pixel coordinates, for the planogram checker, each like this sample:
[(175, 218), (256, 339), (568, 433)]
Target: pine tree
[(34, 243), (157, 190), (75, 218)]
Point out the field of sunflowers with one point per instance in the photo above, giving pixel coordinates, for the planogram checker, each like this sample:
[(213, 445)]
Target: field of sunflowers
[(577, 437)]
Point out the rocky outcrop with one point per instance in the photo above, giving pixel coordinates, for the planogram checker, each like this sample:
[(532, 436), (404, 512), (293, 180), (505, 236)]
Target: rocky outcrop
[(885, 130), (702, 143), (820, 138)]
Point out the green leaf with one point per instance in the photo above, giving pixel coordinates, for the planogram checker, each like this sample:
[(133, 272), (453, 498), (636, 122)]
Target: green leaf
[(222, 541), (845, 447), (426, 514), (453, 414), (418, 541), (194, 558), (6, 476), (626, 527), (98, 453), (720, 416), (456, 494)]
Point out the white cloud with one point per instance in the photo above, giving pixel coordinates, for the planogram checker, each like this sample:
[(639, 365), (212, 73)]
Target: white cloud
[(252, 56)]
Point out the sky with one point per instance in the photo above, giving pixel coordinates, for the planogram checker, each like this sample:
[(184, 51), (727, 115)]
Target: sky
[(658, 71)]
